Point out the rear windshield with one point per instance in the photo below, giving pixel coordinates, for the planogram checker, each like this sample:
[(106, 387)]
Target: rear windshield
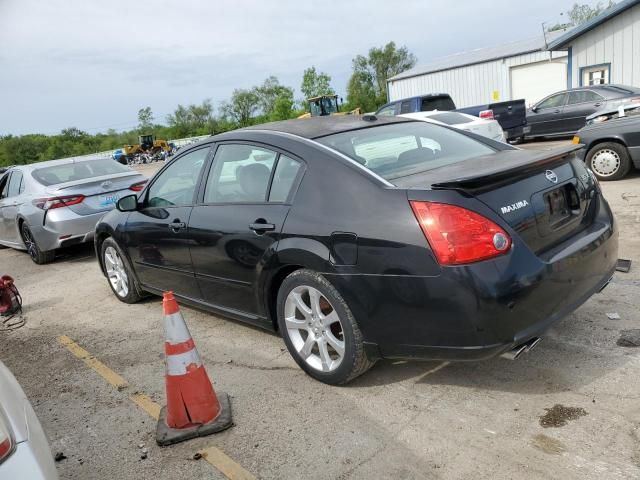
[(401, 149), (451, 118), (437, 103), (70, 172)]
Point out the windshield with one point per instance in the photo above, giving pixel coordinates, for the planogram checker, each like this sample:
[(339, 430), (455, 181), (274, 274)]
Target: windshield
[(400, 149), (70, 172)]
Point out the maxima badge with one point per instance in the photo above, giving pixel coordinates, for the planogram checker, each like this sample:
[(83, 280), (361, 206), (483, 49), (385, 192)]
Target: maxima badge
[(551, 176)]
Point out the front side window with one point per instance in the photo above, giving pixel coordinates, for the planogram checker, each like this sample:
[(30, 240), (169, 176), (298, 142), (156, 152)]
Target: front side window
[(4, 185), (553, 101), (240, 174), (176, 185), (387, 111), (405, 107), (15, 184), (400, 149)]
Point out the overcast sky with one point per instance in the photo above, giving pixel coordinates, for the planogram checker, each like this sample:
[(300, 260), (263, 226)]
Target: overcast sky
[(92, 64)]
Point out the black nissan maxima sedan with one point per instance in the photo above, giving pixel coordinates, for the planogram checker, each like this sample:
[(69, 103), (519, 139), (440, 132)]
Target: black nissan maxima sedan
[(359, 238)]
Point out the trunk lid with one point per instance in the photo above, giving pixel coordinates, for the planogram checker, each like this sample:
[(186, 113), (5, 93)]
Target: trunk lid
[(101, 193), (545, 196)]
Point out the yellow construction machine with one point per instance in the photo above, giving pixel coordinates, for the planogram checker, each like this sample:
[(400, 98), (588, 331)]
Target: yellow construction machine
[(147, 144), (324, 105)]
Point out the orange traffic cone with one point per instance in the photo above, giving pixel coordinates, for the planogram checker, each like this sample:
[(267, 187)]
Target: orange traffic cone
[(193, 408)]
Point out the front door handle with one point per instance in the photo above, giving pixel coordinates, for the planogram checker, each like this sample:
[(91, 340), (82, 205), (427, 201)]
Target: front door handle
[(177, 226), (597, 104), (262, 227), (556, 111)]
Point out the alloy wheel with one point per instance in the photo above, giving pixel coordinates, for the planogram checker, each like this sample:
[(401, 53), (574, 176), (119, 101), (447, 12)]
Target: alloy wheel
[(605, 162), (29, 242), (314, 328), (116, 272)]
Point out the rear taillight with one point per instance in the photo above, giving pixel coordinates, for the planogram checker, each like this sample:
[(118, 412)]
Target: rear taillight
[(458, 235), (6, 439), (486, 114), (137, 187), (58, 202)]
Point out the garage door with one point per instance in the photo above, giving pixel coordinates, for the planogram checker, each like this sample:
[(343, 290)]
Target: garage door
[(535, 81)]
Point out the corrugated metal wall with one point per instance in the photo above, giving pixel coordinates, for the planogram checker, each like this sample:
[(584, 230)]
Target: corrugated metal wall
[(471, 85), (616, 42)]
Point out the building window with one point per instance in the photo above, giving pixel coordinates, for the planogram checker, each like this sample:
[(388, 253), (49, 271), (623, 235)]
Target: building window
[(598, 75)]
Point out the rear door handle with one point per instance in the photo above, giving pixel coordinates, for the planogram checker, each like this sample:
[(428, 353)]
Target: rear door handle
[(597, 104), (176, 226), (556, 111), (262, 227)]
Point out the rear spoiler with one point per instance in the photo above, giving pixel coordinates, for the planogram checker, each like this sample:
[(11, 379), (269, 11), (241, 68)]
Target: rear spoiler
[(499, 167), (62, 186)]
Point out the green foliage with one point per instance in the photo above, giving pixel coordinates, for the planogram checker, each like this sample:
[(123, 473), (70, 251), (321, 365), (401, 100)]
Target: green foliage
[(367, 86), (145, 119), (191, 120), (581, 13), (315, 84), (241, 107)]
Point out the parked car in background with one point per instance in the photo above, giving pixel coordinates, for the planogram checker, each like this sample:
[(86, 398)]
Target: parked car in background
[(480, 126), (600, 116), (24, 449), (511, 115), (612, 148), (366, 237), (48, 205), (564, 113)]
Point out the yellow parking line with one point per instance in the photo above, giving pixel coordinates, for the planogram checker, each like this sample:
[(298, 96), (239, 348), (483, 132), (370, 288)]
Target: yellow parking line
[(145, 403), (226, 465), (214, 456), (100, 368)]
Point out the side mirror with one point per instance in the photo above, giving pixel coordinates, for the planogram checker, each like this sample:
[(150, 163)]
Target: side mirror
[(534, 109), (128, 203)]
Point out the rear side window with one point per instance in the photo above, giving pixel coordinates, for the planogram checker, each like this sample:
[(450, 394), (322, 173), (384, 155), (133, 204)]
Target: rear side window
[(286, 174), (451, 118), (15, 184), (437, 103), (583, 96), (240, 174), (400, 149), (69, 172)]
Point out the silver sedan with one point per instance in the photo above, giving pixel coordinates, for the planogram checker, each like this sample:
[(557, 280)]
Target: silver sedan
[(24, 450), (48, 205)]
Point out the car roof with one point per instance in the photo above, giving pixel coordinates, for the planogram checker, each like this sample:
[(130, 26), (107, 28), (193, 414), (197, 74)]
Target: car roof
[(317, 127)]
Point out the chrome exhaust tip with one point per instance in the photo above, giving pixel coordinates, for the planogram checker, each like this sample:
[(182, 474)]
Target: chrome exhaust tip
[(520, 349)]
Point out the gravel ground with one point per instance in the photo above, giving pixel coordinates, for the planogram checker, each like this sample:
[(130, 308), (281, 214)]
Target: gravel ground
[(569, 409)]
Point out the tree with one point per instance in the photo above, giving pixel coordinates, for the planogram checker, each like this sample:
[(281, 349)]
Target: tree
[(372, 72), (315, 84), (145, 119), (241, 107), (581, 13), (269, 93), (282, 108), (192, 120)]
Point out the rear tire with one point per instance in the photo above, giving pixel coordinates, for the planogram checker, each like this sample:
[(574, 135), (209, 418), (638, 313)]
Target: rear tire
[(38, 256), (609, 161), (319, 329), (119, 272)]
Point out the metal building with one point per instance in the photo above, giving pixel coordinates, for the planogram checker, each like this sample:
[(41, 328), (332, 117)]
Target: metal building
[(605, 49), (522, 69)]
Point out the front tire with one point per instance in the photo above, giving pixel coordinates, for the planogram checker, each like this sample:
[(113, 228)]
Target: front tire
[(38, 256), (119, 272), (319, 329), (609, 161)]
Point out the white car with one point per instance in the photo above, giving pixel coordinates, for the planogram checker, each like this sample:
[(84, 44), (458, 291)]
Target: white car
[(24, 449), (462, 121)]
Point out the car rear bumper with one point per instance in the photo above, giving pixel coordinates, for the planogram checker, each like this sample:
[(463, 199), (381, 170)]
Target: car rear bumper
[(63, 228), (481, 310)]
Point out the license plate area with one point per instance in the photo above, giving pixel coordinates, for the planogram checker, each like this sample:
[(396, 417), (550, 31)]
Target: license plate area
[(559, 208), (108, 200)]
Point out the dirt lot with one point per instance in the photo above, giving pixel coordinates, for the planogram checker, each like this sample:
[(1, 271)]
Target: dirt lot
[(569, 409)]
